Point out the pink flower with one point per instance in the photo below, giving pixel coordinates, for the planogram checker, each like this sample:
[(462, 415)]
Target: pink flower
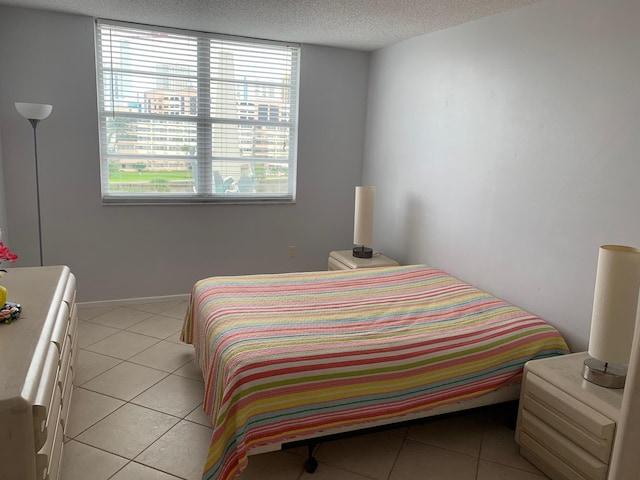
[(6, 254)]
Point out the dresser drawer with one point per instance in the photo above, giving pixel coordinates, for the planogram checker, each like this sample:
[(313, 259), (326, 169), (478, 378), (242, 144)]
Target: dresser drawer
[(66, 400), (49, 457), (46, 407), (581, 424), (55, 461)]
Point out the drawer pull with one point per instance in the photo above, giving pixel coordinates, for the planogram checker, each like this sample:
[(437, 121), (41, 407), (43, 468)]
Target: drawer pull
[(65, 363), (69, 294), (61, 326), (66, 401), (73, 323)]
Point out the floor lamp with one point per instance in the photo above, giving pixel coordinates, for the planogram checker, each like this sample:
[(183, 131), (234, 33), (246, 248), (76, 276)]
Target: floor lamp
[(34, 112)]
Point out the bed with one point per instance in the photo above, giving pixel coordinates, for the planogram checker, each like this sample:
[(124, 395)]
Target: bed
[(295, 356)]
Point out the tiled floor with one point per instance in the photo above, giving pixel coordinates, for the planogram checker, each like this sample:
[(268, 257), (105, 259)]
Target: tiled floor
[(136, 414)]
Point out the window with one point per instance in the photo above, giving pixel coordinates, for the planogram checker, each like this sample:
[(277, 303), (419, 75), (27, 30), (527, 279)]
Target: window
[(178, 116)]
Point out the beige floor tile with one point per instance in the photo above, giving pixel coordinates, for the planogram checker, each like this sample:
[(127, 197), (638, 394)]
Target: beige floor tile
[(136, 471), (459, 433), (175, 338), (327, 472), (128, 430), (78, 459), (197, 415), (165, 356), (493, 471), (122, 345), (190, 370), (90, 365), (179, 311), (371, 455), (158, 307), (87, 313), (88, 408), (173, 395), (125, 380), (499, 446), (157, 326), (121, 317), (273, 466), (89, 333), (181, 451), (416, 458)]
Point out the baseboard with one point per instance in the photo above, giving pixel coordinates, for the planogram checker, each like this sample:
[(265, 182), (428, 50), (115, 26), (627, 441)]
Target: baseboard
[(133, 301)]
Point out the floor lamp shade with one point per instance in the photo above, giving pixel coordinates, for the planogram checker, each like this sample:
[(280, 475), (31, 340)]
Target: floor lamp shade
[(363, 220), (615, 304), (34, 111)]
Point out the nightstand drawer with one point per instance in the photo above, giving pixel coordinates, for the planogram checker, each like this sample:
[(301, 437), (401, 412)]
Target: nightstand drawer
[(563, 448), (554, 467), (581, 424)]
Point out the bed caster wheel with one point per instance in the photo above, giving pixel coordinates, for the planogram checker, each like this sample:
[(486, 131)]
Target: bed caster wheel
[(311, 465)]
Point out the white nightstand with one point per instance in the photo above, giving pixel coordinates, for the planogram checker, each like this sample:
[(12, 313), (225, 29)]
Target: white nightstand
[(344, 260), (566, 425)]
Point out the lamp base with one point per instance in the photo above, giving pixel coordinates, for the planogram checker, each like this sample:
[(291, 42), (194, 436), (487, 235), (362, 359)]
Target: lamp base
[(362, 252), (603, 374)]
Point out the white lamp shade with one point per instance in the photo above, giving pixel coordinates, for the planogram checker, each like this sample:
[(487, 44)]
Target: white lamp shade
[(34, 111), (363, 219), (615, 304)]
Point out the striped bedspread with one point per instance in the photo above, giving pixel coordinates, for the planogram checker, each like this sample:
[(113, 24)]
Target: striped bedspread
[(289, 355)]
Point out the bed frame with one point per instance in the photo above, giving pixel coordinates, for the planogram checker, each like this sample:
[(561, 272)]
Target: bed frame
[(503, 395)]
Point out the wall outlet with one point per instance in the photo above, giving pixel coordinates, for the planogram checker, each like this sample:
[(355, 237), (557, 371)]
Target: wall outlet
[(292, 251)]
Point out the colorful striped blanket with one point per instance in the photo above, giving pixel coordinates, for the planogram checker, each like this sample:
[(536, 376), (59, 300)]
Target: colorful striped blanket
[(287, 356)]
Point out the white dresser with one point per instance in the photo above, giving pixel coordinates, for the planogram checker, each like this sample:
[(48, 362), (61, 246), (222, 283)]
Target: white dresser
[(37, 358), (566, 425)]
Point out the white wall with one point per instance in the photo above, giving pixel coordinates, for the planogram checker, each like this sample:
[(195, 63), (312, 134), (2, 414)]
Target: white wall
[(505, 151), (137, 251)]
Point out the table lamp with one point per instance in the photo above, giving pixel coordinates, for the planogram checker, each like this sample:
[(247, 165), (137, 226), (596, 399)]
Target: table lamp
[(615, 305), (363, 222)]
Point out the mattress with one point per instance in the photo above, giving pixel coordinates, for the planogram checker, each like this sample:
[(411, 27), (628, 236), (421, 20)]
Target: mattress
[(289, 356)]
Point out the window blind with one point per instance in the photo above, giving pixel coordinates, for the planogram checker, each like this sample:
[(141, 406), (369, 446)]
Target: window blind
[(195, 117)]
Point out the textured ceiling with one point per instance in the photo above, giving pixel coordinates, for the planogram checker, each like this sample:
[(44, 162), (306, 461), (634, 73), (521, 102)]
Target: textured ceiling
[(356, 24)]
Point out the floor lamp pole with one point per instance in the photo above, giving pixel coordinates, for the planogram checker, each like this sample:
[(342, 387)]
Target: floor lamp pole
[(34, 123)]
